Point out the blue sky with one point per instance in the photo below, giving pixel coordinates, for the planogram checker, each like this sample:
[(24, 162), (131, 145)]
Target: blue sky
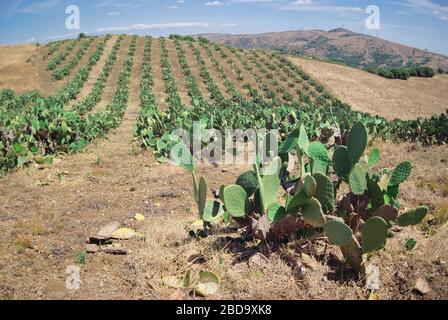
[(419, 23)]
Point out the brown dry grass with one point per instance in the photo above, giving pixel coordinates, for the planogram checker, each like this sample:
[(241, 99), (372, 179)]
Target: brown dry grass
[(415, 97), (22, 69)]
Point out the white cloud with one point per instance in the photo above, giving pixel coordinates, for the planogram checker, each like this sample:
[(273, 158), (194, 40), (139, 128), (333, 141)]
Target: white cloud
[(427, 7), (215, 3), (310, 6), (143, 26), (114, 13)]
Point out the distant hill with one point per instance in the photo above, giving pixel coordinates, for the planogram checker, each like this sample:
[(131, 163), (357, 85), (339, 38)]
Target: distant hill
[(340, 45)]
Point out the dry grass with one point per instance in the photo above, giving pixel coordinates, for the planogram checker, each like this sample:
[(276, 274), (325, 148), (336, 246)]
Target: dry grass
[(415, 97)]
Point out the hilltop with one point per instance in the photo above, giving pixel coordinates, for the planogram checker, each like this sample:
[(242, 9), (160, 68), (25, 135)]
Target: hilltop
[(340, 45)]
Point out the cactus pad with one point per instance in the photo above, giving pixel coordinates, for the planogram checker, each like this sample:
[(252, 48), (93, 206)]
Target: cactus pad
[(299, 200), (309, 186), (271, 182), (338, 232), (235, 201), (318, 152), (357, 142), (248, 181), (213, 211), (202, 195), (387, 212), (374, 235), (276, 212), (341, 161), (401, 173), (374, 157), (375, 193), (358, 180), (313, 214), (412, 217), (324, 192)]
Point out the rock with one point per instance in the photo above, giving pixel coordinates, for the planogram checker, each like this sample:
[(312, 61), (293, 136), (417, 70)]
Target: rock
[(258, 260), (139, 217), (92, 248), (125, 234), (114, 250), (107, 231), (422, 286), (373, 281)]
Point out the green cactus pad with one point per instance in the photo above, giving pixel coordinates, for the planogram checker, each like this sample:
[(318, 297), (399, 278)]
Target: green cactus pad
[(341, 161), (276, 212), (357, 180), (221, 193), (401, 173), (374, 234), (324, 192), (309, 185), (412, 217), (213, 211), (299, 200), (202, 195), (375, 193), (271, 183), (248, 181), (312, 213), (319, 167), (290, 142), (318, 152), (235, 201), (374, 157), (338, 232), (303, 142), (352, 254), (357, 142)]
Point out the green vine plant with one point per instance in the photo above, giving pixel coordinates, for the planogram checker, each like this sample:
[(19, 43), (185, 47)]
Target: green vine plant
[(337, 195)]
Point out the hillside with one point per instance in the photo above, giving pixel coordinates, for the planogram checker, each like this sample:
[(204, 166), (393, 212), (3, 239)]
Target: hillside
[(363, 91), (94, 153), (338, 45)]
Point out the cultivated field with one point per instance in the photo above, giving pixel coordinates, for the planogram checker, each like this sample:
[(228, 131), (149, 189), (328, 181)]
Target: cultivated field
[(101, 157), (416, 97)]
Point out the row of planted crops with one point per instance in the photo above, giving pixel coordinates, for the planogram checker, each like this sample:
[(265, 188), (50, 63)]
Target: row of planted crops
[(34, 127), (285, 97), (263, 90)]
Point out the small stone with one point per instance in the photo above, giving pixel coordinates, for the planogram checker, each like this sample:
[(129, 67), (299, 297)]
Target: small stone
[(422, 286), (92, 248), (373, 277), (139, 217), (258, 260), (107, 231)]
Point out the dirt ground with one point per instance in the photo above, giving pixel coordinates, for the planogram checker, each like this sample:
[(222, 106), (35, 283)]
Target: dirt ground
[(415, 97), (22, 69), (48, 211)]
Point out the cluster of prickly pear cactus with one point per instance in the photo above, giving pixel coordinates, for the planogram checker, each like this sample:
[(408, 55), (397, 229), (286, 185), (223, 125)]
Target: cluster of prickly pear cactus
[(359, 221)]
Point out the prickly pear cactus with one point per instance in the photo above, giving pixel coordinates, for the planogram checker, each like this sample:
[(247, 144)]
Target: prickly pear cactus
[(401, 173), (235, 201), (412, 217), (248, 181), (341, 161), (202, 196), (338, 232), (357, 142), (313, 214), (358, 180), (324, 192), (374, 234)]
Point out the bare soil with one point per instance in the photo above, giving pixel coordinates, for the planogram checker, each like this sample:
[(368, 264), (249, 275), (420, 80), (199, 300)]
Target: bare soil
[(363, 91)]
